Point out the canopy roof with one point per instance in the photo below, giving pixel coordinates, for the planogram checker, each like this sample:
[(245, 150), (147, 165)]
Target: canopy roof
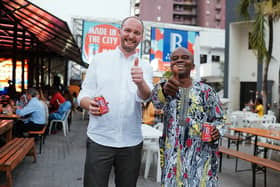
[(29, 26)]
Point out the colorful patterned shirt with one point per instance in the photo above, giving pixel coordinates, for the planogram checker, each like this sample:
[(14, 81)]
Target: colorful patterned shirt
[(188, 161)]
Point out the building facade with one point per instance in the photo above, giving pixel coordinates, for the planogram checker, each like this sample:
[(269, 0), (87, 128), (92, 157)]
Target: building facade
[(243, 74), (204, 13)]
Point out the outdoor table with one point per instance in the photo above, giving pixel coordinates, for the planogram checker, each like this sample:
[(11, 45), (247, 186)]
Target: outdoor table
[(271, 134), (6, 128), (9, 116)]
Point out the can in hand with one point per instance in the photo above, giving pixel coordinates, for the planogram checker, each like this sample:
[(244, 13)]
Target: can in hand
[(103, 105), (206, 132)]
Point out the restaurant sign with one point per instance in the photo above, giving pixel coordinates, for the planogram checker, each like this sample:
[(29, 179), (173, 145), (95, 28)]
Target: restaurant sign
[(98, 37)]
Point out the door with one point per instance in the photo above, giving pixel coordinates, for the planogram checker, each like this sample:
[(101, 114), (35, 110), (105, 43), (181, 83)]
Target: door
[(247, 93)]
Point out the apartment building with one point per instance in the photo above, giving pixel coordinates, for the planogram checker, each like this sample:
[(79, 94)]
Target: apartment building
[(204, 13)]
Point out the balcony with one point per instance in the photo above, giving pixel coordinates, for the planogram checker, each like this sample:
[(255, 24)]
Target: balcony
[(184, 2), (211, 71), (137, 11), (218, 17), (184, 21), (184, 12), (218, 6)]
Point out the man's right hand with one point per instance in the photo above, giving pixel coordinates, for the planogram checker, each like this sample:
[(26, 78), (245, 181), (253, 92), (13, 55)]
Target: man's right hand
[(94, 108), (171, 87)]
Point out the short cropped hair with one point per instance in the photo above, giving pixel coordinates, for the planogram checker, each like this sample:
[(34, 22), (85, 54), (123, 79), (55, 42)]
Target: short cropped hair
[(135, 17), (32, 91)]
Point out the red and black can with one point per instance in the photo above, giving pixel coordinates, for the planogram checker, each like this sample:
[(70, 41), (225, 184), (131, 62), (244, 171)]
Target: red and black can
[(206, 133), (103, 105)]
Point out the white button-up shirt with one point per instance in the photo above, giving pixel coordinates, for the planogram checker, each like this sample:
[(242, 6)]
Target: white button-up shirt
[(109, 75)]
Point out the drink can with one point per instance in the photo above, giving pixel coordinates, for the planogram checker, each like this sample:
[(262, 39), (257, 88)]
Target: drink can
[(103, 105), (206, 132)]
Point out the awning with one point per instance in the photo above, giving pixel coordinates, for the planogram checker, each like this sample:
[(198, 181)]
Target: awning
[(35, 27)]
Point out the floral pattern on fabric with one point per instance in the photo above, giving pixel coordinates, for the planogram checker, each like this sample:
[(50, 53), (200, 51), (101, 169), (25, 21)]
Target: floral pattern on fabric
[(189, 162)]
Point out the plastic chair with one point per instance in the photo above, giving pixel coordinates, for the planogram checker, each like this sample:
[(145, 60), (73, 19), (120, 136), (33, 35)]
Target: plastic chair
[(158, 126), (151, 149), (63, 121)]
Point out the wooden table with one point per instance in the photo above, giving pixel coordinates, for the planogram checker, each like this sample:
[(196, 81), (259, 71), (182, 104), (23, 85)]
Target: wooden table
[(9, 116), (271, 134), (259, 132), (6, 128)]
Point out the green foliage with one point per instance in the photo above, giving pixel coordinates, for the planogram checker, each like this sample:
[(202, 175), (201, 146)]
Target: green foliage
[(257, 39), (167, 74)]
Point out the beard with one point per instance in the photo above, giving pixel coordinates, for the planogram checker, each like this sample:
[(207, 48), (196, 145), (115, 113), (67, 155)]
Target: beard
[(182, 74), (128, 48)]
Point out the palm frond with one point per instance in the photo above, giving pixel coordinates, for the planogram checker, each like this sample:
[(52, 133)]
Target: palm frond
[(244, 8), (273, 10), (257, 39)]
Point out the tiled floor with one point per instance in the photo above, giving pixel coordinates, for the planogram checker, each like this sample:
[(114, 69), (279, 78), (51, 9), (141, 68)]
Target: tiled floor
[(62, 159)]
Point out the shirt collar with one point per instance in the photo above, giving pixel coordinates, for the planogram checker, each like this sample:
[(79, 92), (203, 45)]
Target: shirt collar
[(122, 55)]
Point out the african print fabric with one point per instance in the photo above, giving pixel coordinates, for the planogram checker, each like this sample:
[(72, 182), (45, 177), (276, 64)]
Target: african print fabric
[(188, 161)]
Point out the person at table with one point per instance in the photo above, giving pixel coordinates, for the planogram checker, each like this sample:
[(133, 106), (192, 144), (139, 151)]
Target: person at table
[(63, 108), (115, 138), (188, 105), (22, 102), (56, 99), (8, 107), (259, 107), (33, 114)]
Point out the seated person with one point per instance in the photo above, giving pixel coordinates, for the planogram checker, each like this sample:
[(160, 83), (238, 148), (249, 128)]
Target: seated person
[(56, 100), (34, 114), (22, 102), (259, 107), (63, 108), (10, 107)]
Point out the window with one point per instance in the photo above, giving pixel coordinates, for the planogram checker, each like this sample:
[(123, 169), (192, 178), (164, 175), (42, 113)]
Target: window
[(215, 58), (203, 59)]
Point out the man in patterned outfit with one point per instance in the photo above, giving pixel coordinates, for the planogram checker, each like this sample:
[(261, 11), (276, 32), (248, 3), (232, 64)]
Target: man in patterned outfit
[(187, 104)]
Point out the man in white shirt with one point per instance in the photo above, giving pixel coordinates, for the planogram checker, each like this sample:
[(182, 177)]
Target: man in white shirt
[(114, 138)]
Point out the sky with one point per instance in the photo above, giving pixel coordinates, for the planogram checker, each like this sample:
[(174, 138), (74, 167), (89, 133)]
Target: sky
[(93, 9)]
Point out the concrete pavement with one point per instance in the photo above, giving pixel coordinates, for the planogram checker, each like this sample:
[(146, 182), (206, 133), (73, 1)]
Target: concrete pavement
[(62, 160)]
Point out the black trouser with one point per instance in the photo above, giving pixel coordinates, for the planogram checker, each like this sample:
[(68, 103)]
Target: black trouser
[(20, 127), (99, 162)]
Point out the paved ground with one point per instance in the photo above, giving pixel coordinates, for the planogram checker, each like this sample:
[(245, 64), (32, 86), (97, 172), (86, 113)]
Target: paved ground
[(62, 159)]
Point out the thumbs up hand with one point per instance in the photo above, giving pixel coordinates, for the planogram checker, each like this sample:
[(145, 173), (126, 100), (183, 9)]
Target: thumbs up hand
[(136, 61), (171, 87), (137, 73)]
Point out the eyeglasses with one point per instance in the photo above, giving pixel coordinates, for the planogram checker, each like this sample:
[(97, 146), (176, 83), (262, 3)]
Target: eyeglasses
[(176, 57)]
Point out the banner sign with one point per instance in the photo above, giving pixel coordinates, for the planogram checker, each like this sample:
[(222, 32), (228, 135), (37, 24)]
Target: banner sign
[(164, 41), (98, 37)]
